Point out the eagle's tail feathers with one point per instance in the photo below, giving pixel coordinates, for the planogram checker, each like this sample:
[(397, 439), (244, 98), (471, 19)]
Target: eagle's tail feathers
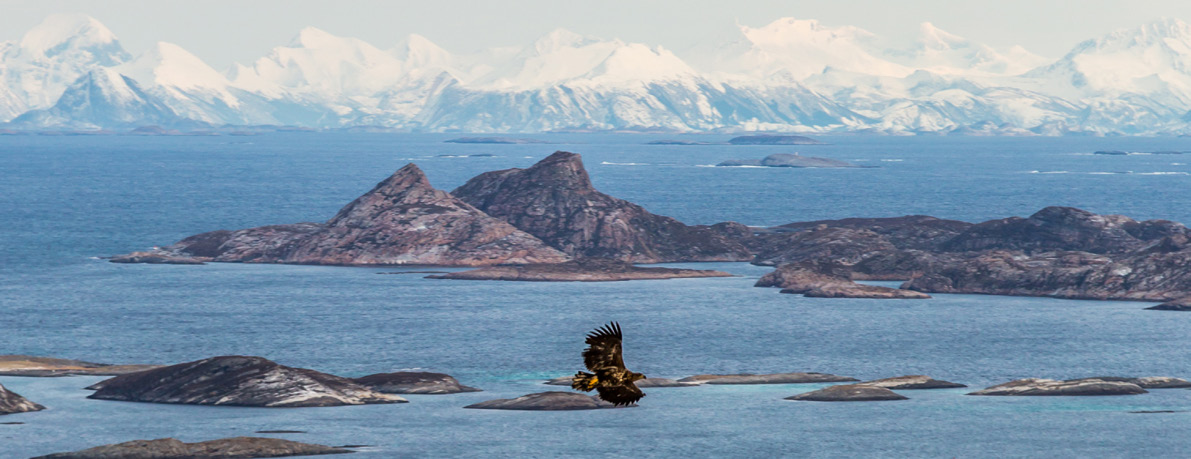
[(584, 381)]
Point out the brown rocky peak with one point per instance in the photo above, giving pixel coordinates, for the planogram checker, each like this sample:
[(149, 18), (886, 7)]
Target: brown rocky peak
[(406, 178), (562, 169)]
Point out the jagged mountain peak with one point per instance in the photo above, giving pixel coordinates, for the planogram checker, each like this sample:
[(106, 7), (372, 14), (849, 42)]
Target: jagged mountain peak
[(61, 32), (168, 64)]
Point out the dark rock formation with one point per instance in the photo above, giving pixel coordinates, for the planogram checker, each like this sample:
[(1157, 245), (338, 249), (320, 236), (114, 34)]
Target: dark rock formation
[(1067, 229), (912, 382), (555, 201), (1081, 275), (849, 393), (402, 221), (238, 381), (11, 402), (26, 365), (545, 401), (495, 140), (896, 248), (582, 270), (1180, 304), (169, 448), (1058, 252), (774, 378), (768, 139), (413, 382), (644, 383), (917, 232), (788, 160), (1035, 386), (1146, 382), (828, 280)]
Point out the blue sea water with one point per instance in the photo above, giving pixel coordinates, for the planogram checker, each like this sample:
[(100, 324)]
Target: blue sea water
[(66, 200)]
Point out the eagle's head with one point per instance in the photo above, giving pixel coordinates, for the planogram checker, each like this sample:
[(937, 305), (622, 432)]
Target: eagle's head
[(636, 376)]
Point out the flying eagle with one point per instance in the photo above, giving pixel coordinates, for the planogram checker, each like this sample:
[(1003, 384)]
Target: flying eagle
[(612, 380)]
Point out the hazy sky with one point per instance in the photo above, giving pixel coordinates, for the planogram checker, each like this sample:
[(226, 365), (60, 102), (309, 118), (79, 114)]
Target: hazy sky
[(225, 31)]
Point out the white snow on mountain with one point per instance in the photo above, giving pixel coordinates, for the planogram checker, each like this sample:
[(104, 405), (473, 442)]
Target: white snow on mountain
[(802, 48), (36, 69), (792, 75), (942, 52), (1154, 59)]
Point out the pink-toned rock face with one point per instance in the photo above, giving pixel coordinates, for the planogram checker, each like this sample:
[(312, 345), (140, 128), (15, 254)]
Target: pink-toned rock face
[(406, 221), (555, 201), (402, 221)]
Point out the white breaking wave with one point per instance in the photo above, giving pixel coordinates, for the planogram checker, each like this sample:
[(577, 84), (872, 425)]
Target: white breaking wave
[(606, 163)]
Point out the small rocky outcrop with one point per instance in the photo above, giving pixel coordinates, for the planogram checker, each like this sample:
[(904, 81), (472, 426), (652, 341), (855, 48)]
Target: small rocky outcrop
[(11, 402), (413, 382), (27, 365), (1146, 382), (849, 393), (402, 221), (169, 448), (773, 378), (555, 201), (788, 160), (1075, 387), (238, 381), (828, 280), (1180, 304), (496, 140), (545, 401), (156, 258), (912, 382), (582, 270), (643, 383), (770, 139)]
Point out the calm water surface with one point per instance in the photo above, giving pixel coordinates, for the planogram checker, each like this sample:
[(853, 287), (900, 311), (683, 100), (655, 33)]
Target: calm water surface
[(66, 200)]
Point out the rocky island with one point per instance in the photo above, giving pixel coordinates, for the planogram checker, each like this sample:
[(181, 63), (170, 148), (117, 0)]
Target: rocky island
[(772, 378), (238, 381), (582, 270), (1058, 252), (1073, 387), (413, 382), (496, 140), (547, 214), (788, 160), (11, 402), (169, 448), (771, 139), (26, 365), (849, 393), (546, 401)]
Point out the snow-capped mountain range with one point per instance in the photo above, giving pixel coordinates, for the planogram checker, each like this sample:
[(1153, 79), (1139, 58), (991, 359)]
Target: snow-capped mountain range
[(71, 73)]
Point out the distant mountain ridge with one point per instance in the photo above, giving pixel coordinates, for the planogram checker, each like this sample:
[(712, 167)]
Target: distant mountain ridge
[(792, 75)]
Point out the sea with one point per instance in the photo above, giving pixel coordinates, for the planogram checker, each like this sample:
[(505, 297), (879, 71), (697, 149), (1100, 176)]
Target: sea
[(68, 201)]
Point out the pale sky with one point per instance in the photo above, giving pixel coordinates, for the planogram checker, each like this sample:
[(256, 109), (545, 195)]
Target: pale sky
[(224, 31)]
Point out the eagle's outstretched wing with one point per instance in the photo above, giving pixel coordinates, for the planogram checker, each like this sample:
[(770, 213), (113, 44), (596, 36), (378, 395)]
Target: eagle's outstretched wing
[(624, 394), (603, 348)]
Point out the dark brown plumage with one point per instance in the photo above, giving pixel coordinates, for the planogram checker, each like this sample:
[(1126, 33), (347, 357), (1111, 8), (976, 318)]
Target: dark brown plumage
[(611, 379)]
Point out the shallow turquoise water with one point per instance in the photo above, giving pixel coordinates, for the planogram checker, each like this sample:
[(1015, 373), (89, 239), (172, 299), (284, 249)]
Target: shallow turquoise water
[(66, 200)]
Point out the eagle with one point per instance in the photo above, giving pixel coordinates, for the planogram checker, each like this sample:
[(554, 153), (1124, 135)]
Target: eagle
[(611, 379)]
